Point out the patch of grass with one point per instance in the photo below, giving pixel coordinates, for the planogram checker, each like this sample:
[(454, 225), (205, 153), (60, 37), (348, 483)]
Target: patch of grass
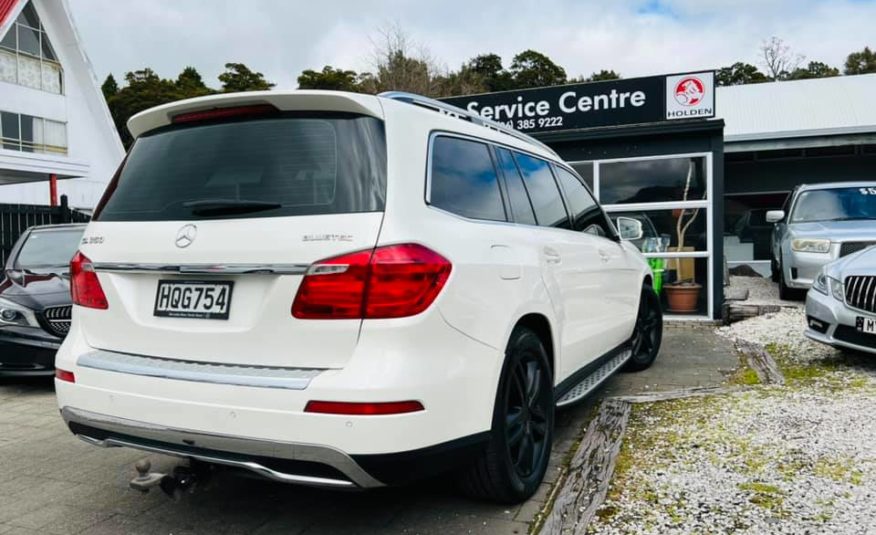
[(764, 495), (744, 376), (841, 470)]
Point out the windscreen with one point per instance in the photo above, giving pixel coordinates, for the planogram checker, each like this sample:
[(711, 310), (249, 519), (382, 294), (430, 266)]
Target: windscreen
[(839, 204), (49, 248), (283, 165)]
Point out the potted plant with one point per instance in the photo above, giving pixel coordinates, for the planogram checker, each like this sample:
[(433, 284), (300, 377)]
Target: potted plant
[(684, 293)]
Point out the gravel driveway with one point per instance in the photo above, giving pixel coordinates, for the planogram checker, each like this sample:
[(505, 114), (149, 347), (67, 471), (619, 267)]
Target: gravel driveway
[(799, 458)]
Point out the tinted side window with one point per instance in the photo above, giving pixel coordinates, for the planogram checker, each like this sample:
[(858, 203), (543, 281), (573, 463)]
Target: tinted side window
[(464, 179), (517, 196), (586, 214), (542, 188)]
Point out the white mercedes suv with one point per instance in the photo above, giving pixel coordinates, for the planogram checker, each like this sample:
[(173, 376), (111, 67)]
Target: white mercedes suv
[(348, 291)]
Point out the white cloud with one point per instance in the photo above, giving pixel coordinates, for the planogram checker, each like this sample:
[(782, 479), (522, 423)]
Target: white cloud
[(632, 37)]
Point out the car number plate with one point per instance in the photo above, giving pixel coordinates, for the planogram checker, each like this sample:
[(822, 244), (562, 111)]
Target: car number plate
[(866, 325), (193, 299)]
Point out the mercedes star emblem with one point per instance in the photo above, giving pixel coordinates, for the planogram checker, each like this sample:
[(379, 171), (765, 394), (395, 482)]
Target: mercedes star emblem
[(186, 236)]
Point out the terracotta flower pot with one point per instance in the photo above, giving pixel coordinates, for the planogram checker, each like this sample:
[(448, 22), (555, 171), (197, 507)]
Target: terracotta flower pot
[(682, 297)]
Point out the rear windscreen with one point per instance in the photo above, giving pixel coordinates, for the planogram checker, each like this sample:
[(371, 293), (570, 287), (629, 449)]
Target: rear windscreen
[(267, 167)]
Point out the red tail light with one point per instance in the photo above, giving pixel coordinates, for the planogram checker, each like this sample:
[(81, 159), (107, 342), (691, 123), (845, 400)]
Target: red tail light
[(363, 409), (64, 375), (389, 282), (84, 285)]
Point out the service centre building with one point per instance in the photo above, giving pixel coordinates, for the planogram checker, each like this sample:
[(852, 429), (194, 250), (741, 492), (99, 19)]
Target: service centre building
[(699, 169)]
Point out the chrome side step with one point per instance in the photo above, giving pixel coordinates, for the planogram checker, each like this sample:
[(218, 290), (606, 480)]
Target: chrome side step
[(589, 383)]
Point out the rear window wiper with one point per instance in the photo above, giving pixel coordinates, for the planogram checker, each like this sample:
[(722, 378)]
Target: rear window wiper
[(229, 206)]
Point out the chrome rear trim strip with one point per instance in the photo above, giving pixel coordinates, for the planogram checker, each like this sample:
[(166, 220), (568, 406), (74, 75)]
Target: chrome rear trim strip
[(170, 441), (202, 269), (201, 372)]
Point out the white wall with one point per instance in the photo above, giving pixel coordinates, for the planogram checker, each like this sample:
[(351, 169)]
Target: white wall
[(91, 137)]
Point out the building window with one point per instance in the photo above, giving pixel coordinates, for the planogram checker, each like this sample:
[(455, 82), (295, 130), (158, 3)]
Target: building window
[(27, 133), (26, 55), (652, 190)]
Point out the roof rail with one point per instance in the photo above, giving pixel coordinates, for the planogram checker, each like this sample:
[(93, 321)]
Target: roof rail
[(465, 115)]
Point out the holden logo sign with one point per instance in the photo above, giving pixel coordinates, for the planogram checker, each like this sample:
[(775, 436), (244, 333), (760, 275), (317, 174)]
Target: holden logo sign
[(689, 92), (690, 95), (185, 236)]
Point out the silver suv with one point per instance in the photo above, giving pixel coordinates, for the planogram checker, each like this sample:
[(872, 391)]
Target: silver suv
[(818, 224)]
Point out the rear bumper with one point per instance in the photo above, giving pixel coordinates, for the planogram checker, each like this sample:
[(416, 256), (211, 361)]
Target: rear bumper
[(303, 464), (281, 461), (25, 357), (421, 358)]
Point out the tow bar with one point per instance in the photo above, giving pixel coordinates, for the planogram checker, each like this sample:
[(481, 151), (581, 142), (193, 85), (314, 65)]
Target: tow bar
[(183, 479)]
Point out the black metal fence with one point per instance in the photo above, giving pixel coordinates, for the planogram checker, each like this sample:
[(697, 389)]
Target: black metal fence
[(16, 218)]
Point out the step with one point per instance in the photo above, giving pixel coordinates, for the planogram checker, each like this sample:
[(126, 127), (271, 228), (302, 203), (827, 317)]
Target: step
[(589, 383)]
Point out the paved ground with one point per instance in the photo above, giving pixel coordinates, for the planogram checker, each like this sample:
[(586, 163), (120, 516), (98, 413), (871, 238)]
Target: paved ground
[(52, 483)]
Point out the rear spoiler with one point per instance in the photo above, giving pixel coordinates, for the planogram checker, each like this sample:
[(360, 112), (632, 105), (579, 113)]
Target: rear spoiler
[(302, 100)]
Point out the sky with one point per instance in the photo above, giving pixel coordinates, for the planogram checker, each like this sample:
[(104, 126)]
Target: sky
[(280, 38)]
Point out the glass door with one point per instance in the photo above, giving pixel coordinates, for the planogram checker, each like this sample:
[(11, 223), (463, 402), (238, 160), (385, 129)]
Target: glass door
[(671, 196)]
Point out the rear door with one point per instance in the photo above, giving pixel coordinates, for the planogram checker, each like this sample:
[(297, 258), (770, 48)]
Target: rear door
[(209, 228), (571, 267)]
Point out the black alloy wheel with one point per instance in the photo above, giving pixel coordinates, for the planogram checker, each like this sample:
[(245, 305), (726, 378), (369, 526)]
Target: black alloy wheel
[(526, 417), (513, 464), (648, 332)]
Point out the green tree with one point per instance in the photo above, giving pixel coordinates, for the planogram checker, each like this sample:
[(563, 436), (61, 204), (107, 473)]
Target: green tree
[(603, 75), (815, 69), (533, 69), (740, 73), (144, 90), (329, 78), (238, 77), (109, 87), (488, 67), (862, 62), (190, 84)]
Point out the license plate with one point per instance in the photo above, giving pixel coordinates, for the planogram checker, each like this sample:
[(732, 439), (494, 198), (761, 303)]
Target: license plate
[(193, 299), (866, 325)]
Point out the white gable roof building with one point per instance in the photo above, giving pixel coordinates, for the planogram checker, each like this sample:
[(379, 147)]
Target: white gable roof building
[(53, 118)]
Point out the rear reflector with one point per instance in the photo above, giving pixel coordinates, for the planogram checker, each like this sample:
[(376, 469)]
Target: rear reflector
[(224, 113), (394, 281), (84, 284), (64, 375), (363, 409)]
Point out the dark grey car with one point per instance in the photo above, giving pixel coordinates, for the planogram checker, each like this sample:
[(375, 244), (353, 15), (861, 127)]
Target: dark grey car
[(35, 301)]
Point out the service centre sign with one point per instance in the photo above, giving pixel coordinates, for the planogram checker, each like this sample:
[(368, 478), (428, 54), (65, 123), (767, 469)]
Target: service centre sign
[(588, 105)]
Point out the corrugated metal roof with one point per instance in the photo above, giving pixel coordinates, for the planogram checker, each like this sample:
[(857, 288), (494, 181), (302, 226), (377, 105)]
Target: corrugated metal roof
[(5, 9), (800, 108)]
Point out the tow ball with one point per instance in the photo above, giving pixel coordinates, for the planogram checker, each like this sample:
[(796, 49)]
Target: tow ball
[(183, 479)]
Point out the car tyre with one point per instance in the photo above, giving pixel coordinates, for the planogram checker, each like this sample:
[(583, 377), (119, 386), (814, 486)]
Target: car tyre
[(513, 464), (648, 332), (774, 270)]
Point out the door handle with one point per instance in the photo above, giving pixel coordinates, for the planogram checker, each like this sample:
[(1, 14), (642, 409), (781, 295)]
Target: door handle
[(603, 255), (551, 256)]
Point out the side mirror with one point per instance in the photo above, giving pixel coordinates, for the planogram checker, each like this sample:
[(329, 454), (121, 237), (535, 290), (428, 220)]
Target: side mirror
[(629, 229), (774, 216)]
